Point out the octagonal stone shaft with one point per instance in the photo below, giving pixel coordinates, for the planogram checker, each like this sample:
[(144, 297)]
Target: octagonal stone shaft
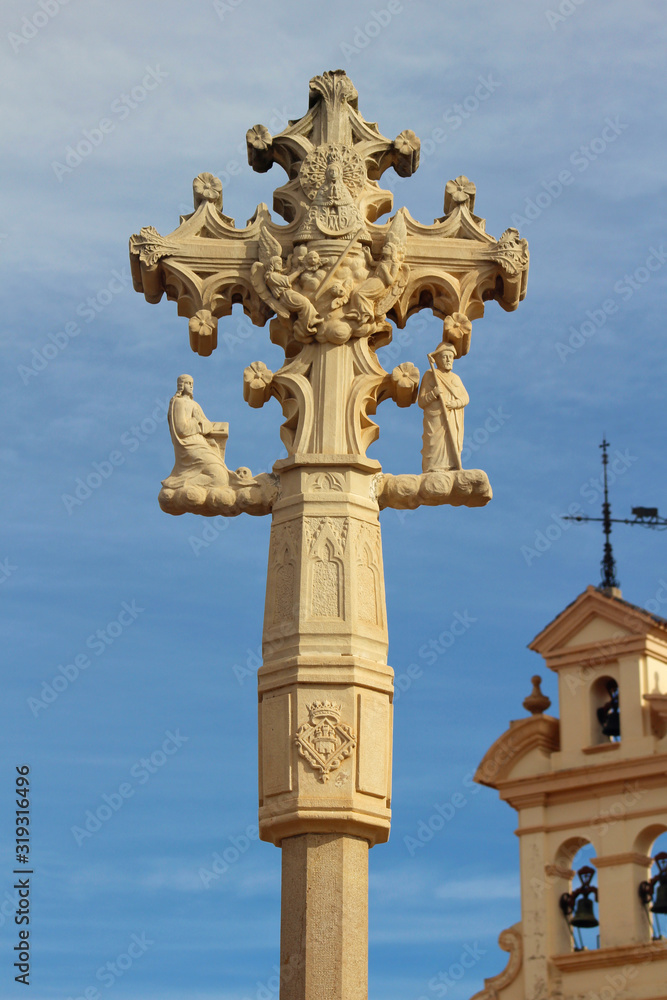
[(325, 689), (324, 924), (325, 718)]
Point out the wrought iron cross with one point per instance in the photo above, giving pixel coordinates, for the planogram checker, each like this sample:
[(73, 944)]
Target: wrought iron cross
[(646, 516)]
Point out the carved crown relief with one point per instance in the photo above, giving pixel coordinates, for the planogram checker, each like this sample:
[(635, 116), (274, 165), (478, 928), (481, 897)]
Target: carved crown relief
[(324, 741)]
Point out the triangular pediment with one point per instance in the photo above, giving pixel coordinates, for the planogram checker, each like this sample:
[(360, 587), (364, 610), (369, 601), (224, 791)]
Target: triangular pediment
[(595, 617), (597, 629)]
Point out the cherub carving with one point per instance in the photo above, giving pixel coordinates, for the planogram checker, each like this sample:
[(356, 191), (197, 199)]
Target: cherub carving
[(276, 288), (311, 272)]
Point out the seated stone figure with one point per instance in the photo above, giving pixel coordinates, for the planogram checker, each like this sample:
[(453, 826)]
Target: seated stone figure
[(199, 444)]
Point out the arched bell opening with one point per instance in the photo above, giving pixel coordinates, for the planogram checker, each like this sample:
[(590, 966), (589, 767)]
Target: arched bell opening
[(578, 904), (653, 889), (605, 714)]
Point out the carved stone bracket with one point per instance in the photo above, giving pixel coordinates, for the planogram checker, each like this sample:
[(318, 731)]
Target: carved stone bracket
[(200, 482), (463, 488), (511, 941), (356, 383)]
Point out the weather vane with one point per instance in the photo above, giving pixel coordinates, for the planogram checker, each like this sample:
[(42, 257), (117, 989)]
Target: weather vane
[(647, 516)]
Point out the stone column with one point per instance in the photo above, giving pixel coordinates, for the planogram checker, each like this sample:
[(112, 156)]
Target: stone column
[(324, 919), (331, 282), (325, 719), (533, 913), (619, 876)]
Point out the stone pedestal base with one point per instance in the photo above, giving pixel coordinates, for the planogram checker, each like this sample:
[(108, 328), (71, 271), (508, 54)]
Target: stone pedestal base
[(324, 926)]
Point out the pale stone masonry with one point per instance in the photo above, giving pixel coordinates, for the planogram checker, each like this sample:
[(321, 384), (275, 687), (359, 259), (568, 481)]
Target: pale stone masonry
[(331, 282), (571, 785)]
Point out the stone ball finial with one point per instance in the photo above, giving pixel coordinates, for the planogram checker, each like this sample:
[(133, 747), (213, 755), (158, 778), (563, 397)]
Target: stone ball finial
[(536, 703)]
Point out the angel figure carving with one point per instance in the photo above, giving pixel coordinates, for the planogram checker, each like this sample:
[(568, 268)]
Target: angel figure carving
[(370, 301), (276, 288)]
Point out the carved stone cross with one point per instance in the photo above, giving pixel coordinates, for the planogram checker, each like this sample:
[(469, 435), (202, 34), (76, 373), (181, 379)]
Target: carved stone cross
[(332, 281)]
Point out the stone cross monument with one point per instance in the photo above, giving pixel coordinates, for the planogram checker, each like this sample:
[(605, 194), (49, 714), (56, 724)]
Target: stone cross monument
[(330, 282)]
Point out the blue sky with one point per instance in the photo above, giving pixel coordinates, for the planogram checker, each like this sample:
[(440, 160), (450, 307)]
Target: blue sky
[(578, 94)]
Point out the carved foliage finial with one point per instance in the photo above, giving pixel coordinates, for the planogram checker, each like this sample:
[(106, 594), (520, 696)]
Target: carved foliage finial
[(334, 87), (511, 251)]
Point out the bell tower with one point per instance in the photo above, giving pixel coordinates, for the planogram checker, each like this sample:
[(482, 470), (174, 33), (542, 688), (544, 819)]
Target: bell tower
[(596, 776)]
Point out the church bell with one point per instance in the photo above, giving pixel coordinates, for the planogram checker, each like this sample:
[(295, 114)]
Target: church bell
[(660, 905), (584, 915), (609, 715), (612, 723)]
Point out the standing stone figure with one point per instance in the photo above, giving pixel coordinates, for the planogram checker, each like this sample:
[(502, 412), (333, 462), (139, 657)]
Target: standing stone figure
[(442, 397), (199, 444)]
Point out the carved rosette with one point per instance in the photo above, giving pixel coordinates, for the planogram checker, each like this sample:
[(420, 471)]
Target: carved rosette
[(459, 193), (207, 187)]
